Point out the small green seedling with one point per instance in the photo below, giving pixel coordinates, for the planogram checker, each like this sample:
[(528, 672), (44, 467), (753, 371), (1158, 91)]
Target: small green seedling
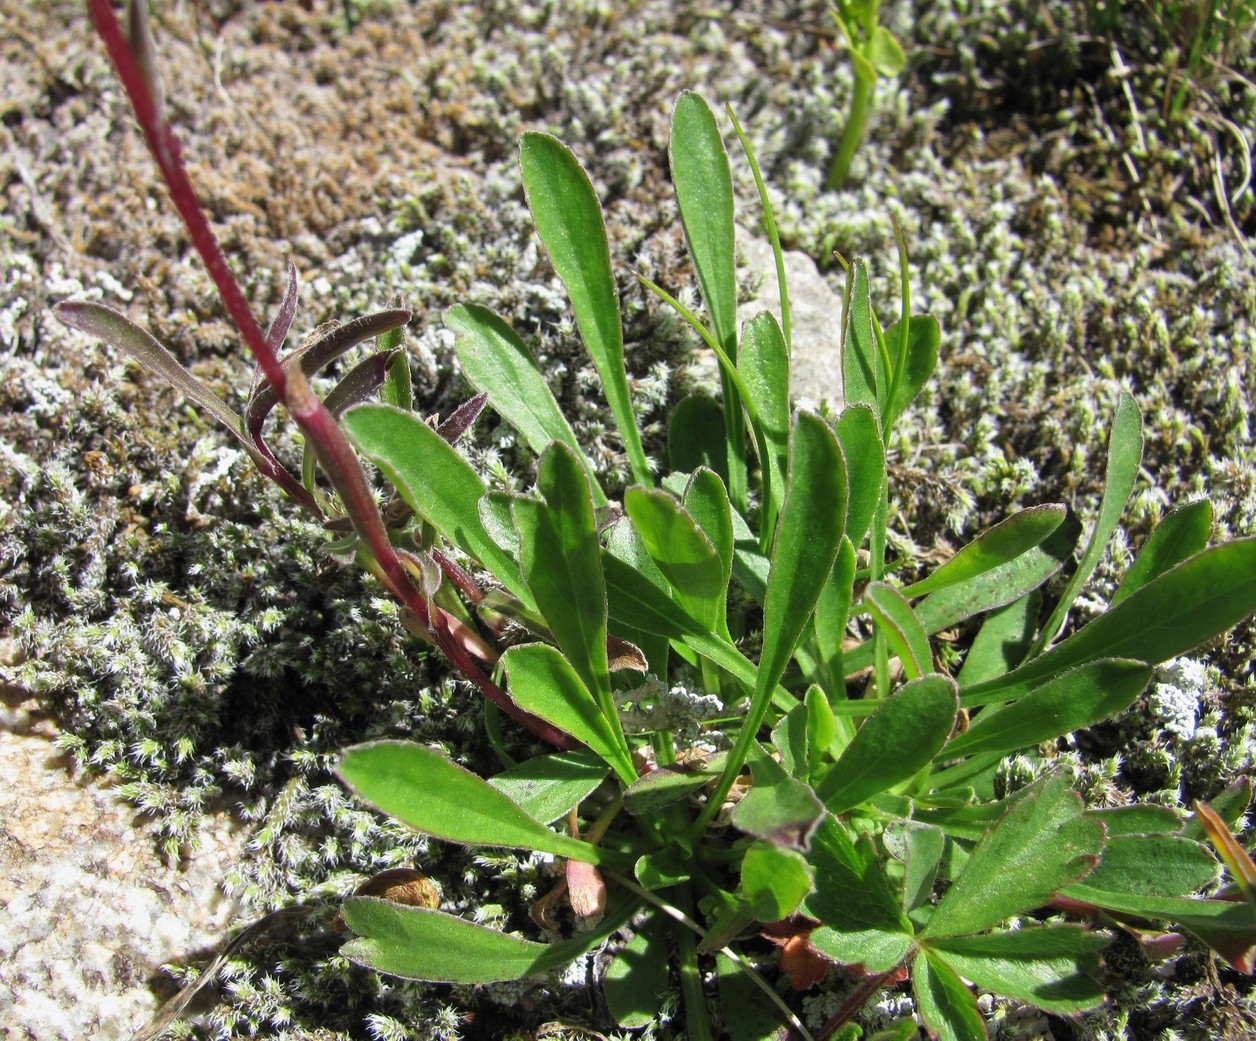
[(715, 772)]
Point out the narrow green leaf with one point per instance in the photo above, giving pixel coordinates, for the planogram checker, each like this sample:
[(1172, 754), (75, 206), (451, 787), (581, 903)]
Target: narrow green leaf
[(1154, 865), (1230, 805), (764, 367), (683, 553), (419, 944), (495, 360), (1073, 700), (635, 984), (863, 373), (695, 436), (437, 483), (706, 500), (895, 618), (568, 218), (997, 545), (1051, 967), (789, 740), (1169, 616), (1137, 819), (424, 789), (894, 743), (924, 846), (396, 390), (1178, 537), (561, 561), (821, 724), (945, 1003), (860, 436), (1002, 640), (1043, 844), (1125, 456), (923, 338), (851, 894), (547, 787), (807, 539), (544, 683)]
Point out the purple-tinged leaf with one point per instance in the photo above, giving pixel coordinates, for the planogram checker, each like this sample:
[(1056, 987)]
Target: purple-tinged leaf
[(282, 322), (360, 383), (461, 419)]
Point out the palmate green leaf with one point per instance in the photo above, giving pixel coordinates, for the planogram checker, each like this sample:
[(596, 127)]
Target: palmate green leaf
[(635, 984), (568, 218), (495, 361), (807, 538), (1125, 456), (1043, 844), (1051, 967), (764, 367), (544, 683), (1178, 537), (682, 552), (1075, 699), (1169, 616), (895, 619), (860, 437), (997, 545), (547, 787), (418, 944), (947, 1006), (1154, 865), (424, 789), (561, 560), (923, 338), (851, 896), (437, 483), (893, 744)]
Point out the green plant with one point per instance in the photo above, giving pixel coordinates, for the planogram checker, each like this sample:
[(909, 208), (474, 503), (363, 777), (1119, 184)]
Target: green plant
[(1209, 29), (874, 53), (872, 826)]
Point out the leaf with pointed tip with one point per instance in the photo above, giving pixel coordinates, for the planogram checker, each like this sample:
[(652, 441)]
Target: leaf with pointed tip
[(682, 552), (461, 419), (1051, 967), (706, 500), (437, 483), (764, 367), (666, 785), (1071, 701), (1169, 616), (568, 218), (1125, 456), (863, 371), (894, 743), (547, 787), (860, 438), (277, 332), (923, 337), (360, 382), (997, 545), (1178, 537), (1043, 844), (895, 619), (544, 683), (561, 561), (432, 794)]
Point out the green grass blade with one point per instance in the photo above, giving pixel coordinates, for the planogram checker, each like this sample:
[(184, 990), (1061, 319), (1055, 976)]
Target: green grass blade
[(568, 218)]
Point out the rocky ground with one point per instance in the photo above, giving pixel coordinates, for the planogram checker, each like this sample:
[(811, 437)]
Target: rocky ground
[(181, 662)]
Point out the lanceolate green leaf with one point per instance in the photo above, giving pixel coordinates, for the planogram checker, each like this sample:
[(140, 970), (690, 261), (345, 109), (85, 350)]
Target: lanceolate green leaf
[(419, 944), (1002, 640), (1125, 455), (1174, 613), (860, 438), (999, 544), (695, 436), (764, 367), (544, 683), (945, 1003), (568, 218), (495, 360), (1178, 537), (898, 739), (682, 552), (1154, 865), (706, 501), (562, 564), (1071, 701), (863, 374), (895, 618), (1042, 845), (923, 337), (1052, 967), (547, 787), (438, 484), (424, 789)]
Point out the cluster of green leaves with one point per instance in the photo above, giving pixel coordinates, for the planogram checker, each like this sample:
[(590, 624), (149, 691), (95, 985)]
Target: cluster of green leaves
[(871, 821), (875, 54)]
